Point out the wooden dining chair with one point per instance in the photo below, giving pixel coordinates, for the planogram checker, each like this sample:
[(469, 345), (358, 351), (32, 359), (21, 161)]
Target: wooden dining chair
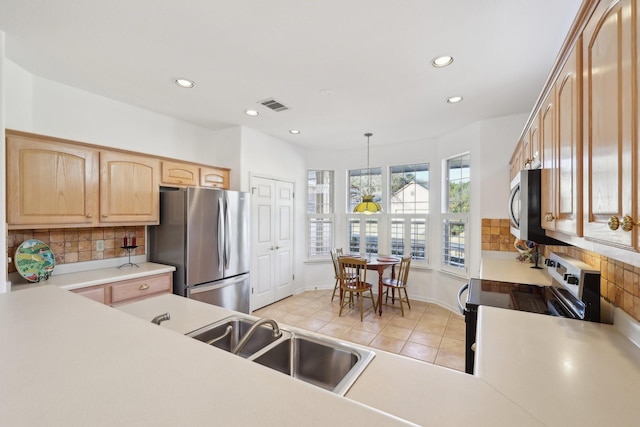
[(353, 280), (335, 253), (399, 283)]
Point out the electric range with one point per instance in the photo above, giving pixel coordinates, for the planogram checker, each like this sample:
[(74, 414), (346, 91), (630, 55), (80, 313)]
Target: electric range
[(574, 293)]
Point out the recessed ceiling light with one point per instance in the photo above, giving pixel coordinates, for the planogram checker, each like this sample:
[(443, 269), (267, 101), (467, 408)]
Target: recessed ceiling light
[(454, 99), (186, 83), (251, 113), (294, 131), (442, 61)]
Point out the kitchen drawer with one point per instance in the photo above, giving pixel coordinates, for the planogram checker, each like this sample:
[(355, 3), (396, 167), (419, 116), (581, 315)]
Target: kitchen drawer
[(95, 293), (139, 288)]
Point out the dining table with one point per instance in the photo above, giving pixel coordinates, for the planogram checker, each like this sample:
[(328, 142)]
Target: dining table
[(380, 264)]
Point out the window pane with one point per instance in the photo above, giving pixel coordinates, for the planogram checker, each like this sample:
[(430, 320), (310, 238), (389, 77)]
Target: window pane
[(320, 236), (459, 188), (319, 192), (409, 188), (364, 181), (372, 236), (418, 239), (453, 243), (397, 236), (354, 236)]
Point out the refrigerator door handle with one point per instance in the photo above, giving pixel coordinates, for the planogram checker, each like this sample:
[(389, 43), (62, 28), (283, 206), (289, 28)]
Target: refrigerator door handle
[(221, 234), (227, 243)]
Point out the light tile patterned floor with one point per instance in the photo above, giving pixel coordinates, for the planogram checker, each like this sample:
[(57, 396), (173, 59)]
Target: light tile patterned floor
[(427, 332)]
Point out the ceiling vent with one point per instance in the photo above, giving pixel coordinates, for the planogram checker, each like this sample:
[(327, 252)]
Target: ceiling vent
[(274, 105)]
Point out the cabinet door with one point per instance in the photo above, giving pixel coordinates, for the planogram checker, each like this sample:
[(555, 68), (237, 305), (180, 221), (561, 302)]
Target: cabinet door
[(549, 174), (182, 174), (214, 177), (128, 188), (136, 289), (516, 161), (609, 118), (50, 183), (535, 153), (568, 211)]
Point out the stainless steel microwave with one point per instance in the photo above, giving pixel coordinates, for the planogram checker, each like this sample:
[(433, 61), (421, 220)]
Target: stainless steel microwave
[(525, 208)]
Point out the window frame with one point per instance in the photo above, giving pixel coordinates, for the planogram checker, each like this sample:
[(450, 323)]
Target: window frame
[(447, 217), (328, 217)]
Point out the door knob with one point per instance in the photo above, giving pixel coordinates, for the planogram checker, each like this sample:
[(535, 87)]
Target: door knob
[(626, 224)]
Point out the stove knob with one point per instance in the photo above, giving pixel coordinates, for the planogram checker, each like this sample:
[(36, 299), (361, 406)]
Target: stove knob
[(550, 263), (572, 280), (566, 276)]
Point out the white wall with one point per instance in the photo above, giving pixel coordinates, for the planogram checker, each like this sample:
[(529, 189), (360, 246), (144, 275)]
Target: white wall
[(41, 106), (490, 142), (268, 157), (45, 107)]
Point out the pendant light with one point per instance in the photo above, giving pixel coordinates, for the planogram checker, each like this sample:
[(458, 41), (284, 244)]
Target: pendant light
[(367, 206)]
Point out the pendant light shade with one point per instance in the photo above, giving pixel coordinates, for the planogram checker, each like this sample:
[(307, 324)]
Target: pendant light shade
[(367, 206)]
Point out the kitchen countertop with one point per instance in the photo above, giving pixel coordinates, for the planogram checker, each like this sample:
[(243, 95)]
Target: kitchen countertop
[(565, 371), (68, 361), (503, 267), (83, 279), (419, 392)]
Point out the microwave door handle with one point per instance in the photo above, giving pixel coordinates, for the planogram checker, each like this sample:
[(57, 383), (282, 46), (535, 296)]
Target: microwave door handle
[(512, 216), (221, 235)]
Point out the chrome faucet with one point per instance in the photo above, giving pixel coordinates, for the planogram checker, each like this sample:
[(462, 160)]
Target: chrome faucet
[(161, 318), (250, 332)]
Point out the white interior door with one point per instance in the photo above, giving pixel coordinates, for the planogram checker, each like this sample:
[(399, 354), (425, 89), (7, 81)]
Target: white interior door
[(272, 236)]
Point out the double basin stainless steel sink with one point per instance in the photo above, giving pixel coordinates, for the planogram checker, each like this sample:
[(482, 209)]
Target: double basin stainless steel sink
[(327, 363)]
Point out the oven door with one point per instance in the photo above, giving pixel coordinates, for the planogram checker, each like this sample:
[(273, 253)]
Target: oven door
[(470, 313)]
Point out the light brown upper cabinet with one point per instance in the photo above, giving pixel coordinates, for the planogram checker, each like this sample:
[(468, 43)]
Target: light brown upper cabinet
[(568, 164), (548, 145), (533, 161), (214, 177), (49, 182), (609, 121), (129, 188), (52, 183), (515, 165), (179, 174)]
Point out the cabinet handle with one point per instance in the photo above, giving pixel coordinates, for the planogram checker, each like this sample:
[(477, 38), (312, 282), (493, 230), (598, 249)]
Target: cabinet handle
[(89, 216), (549, 217), (144, 287), (627, 223), (104, 215)]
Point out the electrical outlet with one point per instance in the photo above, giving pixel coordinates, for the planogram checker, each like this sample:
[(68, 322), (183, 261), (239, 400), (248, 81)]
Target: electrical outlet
[(99, 245)]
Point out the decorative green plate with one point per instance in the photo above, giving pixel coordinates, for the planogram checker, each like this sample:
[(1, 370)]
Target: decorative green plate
[(34, 260)]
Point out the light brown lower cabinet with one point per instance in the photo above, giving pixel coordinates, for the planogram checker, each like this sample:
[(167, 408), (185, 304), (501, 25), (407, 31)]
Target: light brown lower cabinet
[(126, 291)]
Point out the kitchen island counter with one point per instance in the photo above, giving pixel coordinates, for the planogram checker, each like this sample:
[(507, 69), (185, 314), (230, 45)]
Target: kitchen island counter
[(69, 361), (419, 392), (565, 371)]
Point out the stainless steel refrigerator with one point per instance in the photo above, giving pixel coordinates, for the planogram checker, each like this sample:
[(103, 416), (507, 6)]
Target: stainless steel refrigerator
[(204, 233)]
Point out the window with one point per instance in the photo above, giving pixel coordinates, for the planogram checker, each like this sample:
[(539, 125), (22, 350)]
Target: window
[(363, 228), (408, 211), (455, 216), (320, 213), (364, 181), (409, 188)]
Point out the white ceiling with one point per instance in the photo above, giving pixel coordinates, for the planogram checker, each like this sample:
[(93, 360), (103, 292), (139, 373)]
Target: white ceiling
[(373, 56)]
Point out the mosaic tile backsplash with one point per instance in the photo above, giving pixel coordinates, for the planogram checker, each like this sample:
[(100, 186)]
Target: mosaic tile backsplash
[(79, 244), (619, 282)]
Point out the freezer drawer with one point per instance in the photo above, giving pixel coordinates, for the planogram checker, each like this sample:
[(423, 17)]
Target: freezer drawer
[(232, 293)]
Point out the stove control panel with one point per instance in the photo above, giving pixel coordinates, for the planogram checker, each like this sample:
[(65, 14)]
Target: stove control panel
[(577, 283)]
